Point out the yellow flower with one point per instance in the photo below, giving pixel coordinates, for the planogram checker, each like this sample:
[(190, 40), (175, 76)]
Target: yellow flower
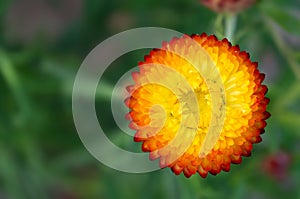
[(231, 6), (244, 105)]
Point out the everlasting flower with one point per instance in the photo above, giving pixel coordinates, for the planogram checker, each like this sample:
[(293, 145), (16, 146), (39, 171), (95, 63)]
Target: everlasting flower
[(244, 105), (231, 6)]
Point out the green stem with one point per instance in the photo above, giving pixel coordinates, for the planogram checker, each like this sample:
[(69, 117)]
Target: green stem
[(230, 26), (218, 25), (283, 48)]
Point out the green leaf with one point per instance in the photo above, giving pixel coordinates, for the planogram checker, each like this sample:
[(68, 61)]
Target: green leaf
[(283, 17)]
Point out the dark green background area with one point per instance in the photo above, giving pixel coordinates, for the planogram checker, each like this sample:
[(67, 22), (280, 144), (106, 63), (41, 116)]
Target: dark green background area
[(42, 45)]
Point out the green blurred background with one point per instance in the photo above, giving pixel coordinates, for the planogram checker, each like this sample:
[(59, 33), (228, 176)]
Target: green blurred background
[(42, 44)]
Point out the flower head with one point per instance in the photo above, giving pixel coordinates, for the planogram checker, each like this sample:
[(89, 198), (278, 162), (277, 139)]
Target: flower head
[(231, 6), (175, 132)]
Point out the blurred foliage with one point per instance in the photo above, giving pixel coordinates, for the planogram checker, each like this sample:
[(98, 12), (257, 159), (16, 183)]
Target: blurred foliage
[(42, 44)]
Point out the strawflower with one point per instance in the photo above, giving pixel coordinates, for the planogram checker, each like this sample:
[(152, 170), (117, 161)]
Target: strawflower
[(229, 6), (164, 109)]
